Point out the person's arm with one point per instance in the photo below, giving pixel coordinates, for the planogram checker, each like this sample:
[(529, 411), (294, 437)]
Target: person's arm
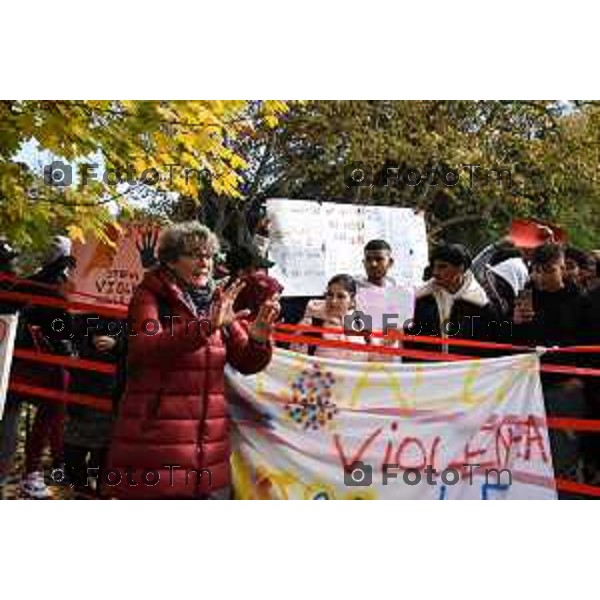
[(244, 353), (482, 259), (172, 338)]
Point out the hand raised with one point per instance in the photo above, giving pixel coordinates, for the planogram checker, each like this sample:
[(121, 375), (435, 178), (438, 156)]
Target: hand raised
[(222, 313), (262, 327)]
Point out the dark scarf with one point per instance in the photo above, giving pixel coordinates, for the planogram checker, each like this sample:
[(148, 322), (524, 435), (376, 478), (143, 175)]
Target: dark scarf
[(198, 297)]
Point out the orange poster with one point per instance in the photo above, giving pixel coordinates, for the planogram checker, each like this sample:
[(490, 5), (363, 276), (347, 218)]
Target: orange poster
[(111, 273)]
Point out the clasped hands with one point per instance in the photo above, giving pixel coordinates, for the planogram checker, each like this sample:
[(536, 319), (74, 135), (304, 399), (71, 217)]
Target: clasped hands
[(222, 313)]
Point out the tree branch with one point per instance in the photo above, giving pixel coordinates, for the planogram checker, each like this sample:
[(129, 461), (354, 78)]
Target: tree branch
[(455, 221)]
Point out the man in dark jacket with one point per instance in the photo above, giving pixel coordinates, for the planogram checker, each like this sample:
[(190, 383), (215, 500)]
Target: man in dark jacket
[(555, 317), (452, 304), (88, 430)]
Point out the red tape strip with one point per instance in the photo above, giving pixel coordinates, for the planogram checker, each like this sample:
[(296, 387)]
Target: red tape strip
[(571, 424), (65, 361), (99, 309), (97, 402), (53, 288), (427, 339), (420, 354), (395, 335), (579, 488)]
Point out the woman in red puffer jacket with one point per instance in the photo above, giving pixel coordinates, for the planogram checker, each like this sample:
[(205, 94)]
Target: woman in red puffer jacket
[(171, 437)]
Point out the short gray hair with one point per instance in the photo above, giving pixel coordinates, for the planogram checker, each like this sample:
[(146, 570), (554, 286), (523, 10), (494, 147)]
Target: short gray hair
[(185, 238)]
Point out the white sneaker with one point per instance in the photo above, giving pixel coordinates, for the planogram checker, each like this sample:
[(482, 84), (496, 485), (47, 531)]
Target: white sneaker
[(33, 486)]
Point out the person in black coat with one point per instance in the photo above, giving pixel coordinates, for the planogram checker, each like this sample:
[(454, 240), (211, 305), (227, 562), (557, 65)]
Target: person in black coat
[(88, 431), (554, 315), (452, 304), (591, 337), (45, 329)]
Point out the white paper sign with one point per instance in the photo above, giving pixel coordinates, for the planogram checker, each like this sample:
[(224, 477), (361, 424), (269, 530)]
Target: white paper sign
[(398, 302), (311, 242)]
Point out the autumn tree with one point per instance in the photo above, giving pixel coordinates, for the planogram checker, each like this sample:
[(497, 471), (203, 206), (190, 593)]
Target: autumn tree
[(501, 159), (127, 137)]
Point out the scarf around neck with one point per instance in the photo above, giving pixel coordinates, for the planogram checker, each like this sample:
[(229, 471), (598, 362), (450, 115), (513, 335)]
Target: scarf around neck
[(198, 297)]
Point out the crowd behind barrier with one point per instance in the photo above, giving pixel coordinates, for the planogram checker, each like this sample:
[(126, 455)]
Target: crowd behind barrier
[(290, 333), (59, 320)]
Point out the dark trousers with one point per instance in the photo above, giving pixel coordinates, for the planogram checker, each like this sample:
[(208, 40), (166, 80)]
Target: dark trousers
[(77, 463)]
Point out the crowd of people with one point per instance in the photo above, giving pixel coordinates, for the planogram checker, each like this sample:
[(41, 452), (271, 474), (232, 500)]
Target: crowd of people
[(169, 394)]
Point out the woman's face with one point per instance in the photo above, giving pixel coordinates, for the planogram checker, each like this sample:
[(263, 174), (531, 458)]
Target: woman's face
[(195, 269), (338, 300)]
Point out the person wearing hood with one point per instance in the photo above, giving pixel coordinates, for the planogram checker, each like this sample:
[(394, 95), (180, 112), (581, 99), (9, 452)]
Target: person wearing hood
[(35, 332), (503, 282), (452, 304)]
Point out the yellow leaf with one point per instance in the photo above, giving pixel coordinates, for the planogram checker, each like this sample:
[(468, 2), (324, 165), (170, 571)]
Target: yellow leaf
[(76, 233)]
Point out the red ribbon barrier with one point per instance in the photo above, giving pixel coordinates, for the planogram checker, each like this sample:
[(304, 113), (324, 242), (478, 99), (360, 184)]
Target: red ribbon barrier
[(396, 335), (427, 339), (53, 288), (107, 310), (65, 361), (564, 485), (97, 402), (422, 354), (570, 424)]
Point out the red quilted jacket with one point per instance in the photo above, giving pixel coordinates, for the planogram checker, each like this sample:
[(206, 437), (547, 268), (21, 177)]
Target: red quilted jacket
[(174, 411)]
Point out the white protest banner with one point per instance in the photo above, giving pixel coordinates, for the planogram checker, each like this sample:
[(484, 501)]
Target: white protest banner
[(313, 241), (8, 332), (315, 428)]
